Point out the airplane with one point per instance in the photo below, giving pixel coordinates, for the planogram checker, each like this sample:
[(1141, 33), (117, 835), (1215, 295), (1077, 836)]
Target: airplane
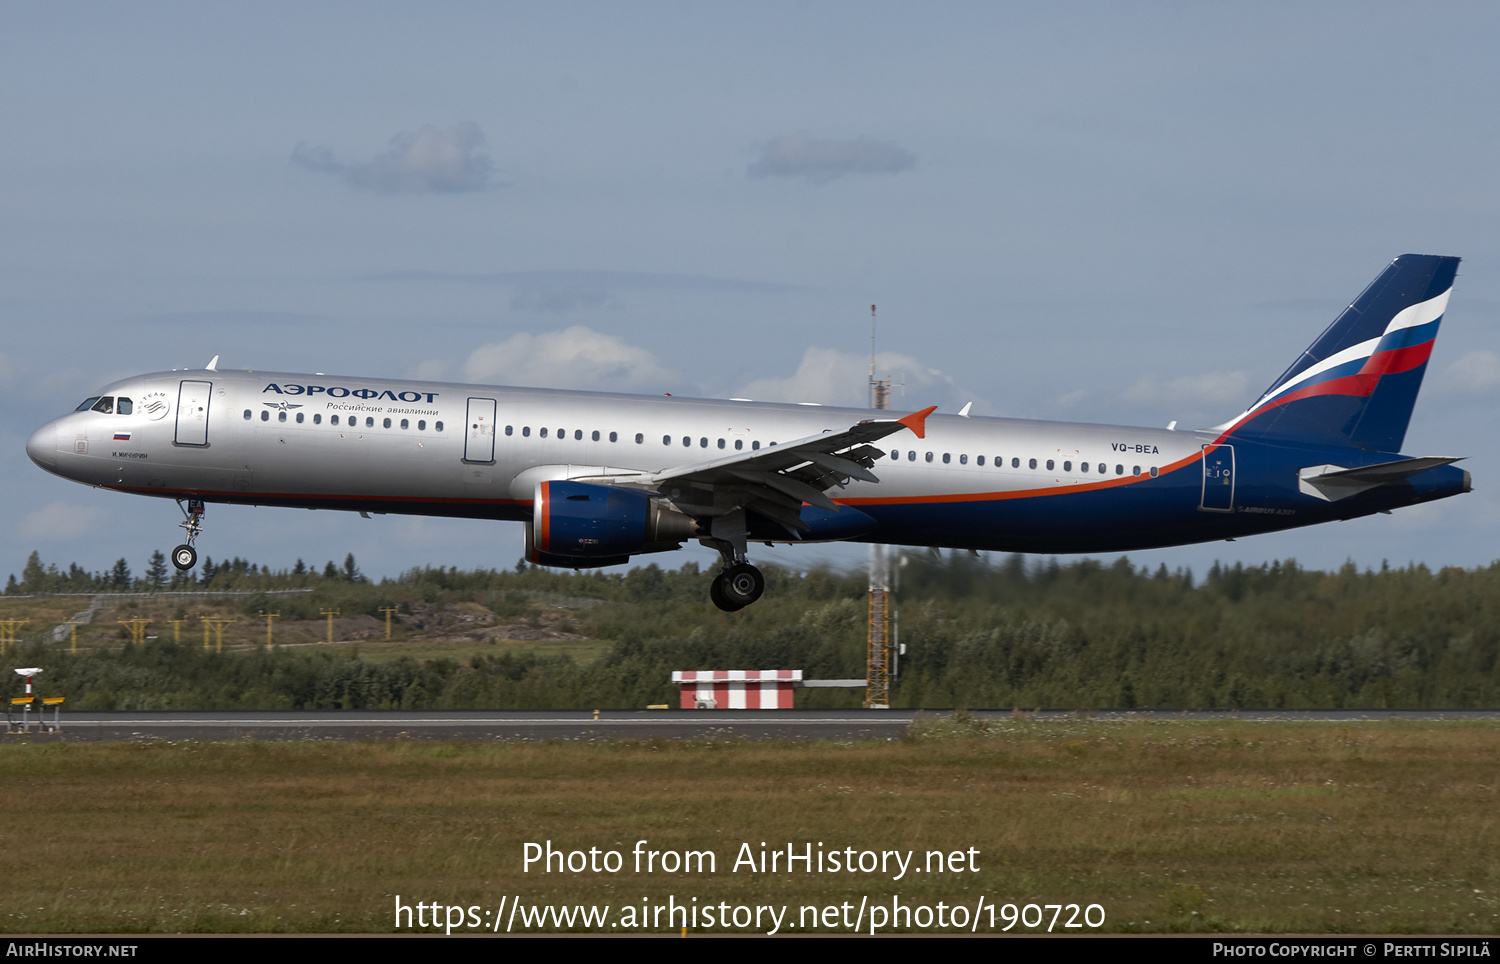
[(598, 478)]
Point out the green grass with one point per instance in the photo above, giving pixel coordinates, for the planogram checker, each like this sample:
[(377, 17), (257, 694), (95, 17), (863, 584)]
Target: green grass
[(1170, 826)]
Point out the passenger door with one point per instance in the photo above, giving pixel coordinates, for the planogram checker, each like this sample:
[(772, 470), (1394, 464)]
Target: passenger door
[(192, 412)]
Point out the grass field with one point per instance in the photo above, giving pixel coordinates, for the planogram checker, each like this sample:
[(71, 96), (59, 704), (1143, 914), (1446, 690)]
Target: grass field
[(1168, 826)]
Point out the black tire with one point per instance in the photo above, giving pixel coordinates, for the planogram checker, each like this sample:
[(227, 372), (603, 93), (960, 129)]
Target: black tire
[(184, 557), (743, 584), (716, 593)]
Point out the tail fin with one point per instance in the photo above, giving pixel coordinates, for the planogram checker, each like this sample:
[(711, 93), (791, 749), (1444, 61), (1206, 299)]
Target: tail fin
[(1357, 384)]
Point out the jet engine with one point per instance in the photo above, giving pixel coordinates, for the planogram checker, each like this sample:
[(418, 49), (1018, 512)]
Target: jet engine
[(579, 525)]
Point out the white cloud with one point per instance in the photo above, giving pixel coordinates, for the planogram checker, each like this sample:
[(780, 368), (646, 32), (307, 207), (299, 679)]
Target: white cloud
[(59, 520), (821, 160), (431, 370), (431, 161), (1476, 373), (576, 357), (831, 377)]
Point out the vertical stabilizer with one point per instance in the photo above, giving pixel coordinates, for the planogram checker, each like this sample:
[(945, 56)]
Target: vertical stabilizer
[(1356, 385)]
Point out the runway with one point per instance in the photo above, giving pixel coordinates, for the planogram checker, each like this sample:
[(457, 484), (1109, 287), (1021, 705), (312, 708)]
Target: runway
[(621, 724)]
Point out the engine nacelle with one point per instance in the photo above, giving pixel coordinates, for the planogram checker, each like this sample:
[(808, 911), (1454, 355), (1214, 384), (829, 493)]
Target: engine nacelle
[(578, 525)]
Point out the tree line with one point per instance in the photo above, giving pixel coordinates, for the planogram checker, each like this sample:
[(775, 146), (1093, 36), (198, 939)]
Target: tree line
[(1007, 632)]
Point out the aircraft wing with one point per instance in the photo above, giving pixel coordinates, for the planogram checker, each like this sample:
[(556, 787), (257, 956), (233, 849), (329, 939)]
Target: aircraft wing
[(776, 480)]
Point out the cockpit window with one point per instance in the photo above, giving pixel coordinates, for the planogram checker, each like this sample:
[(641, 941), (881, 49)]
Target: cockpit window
[(88, 403), (123, 406), (105, 405)]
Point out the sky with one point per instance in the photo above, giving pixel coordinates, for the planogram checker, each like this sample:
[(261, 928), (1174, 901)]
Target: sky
[(1122, 213)]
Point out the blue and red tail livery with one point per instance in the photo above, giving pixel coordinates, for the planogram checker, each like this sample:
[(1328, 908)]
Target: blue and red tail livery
[(599, 478), (1358, 382)]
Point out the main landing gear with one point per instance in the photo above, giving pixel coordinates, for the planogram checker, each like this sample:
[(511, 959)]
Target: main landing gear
[(737, 587), (739, 584), (185, 557)]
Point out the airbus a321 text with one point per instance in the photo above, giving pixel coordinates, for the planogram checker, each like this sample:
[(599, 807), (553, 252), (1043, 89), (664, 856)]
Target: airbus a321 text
[(597, 478)]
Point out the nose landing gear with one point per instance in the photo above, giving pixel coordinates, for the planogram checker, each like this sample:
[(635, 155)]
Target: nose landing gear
[(185, 557)]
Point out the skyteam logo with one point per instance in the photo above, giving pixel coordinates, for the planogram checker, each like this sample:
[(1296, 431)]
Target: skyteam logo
[(155, 405), (339, 391)]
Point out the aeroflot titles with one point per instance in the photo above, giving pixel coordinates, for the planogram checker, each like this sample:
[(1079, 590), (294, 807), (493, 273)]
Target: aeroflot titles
[(338, 391)]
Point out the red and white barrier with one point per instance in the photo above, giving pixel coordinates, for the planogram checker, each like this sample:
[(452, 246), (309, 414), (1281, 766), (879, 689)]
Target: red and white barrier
[(737, 689)]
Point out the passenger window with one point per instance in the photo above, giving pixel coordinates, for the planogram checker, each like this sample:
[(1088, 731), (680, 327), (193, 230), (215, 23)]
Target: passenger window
[(754, 446), (508, 429), (386, 423), (1135, 470), (666, 440), (1119, 470), (578, 435), (247, 414), (1153, 471), (929, 456), (964, 460), (88, 403), (979, 460), (1083, 467), (334, 420), (562, 433), (1050, 464), (281, 416), (1067, 466), (721, 443), (123, 406), (542, 433), (614, 436), (596, 436), (895, 454), (370, 422), (525, 431), (739, 443), (1031, 463), (703, 443), (105, 405), (911, 456), (640, 439), (265, 416), (405, 425), (947, 458), (300, 417), (438, 426), (1016, 463), (317, 420), (687, 443)]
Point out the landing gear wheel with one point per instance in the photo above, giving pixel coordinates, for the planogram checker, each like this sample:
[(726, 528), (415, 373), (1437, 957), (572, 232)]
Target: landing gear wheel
[(716, 593), (741, 584), (184, 557)]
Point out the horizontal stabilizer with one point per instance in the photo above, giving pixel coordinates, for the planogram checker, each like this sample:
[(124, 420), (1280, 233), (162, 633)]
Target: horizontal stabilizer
[(1334, 482)]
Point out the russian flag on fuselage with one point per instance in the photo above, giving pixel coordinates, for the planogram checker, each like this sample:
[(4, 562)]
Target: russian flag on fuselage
[(1357, 383)]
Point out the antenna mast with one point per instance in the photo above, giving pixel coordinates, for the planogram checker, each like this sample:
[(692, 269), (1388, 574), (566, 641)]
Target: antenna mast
[(878, 652)]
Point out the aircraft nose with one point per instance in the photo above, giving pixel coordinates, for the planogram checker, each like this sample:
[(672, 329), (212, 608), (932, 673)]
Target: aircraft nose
[(42, 446)]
